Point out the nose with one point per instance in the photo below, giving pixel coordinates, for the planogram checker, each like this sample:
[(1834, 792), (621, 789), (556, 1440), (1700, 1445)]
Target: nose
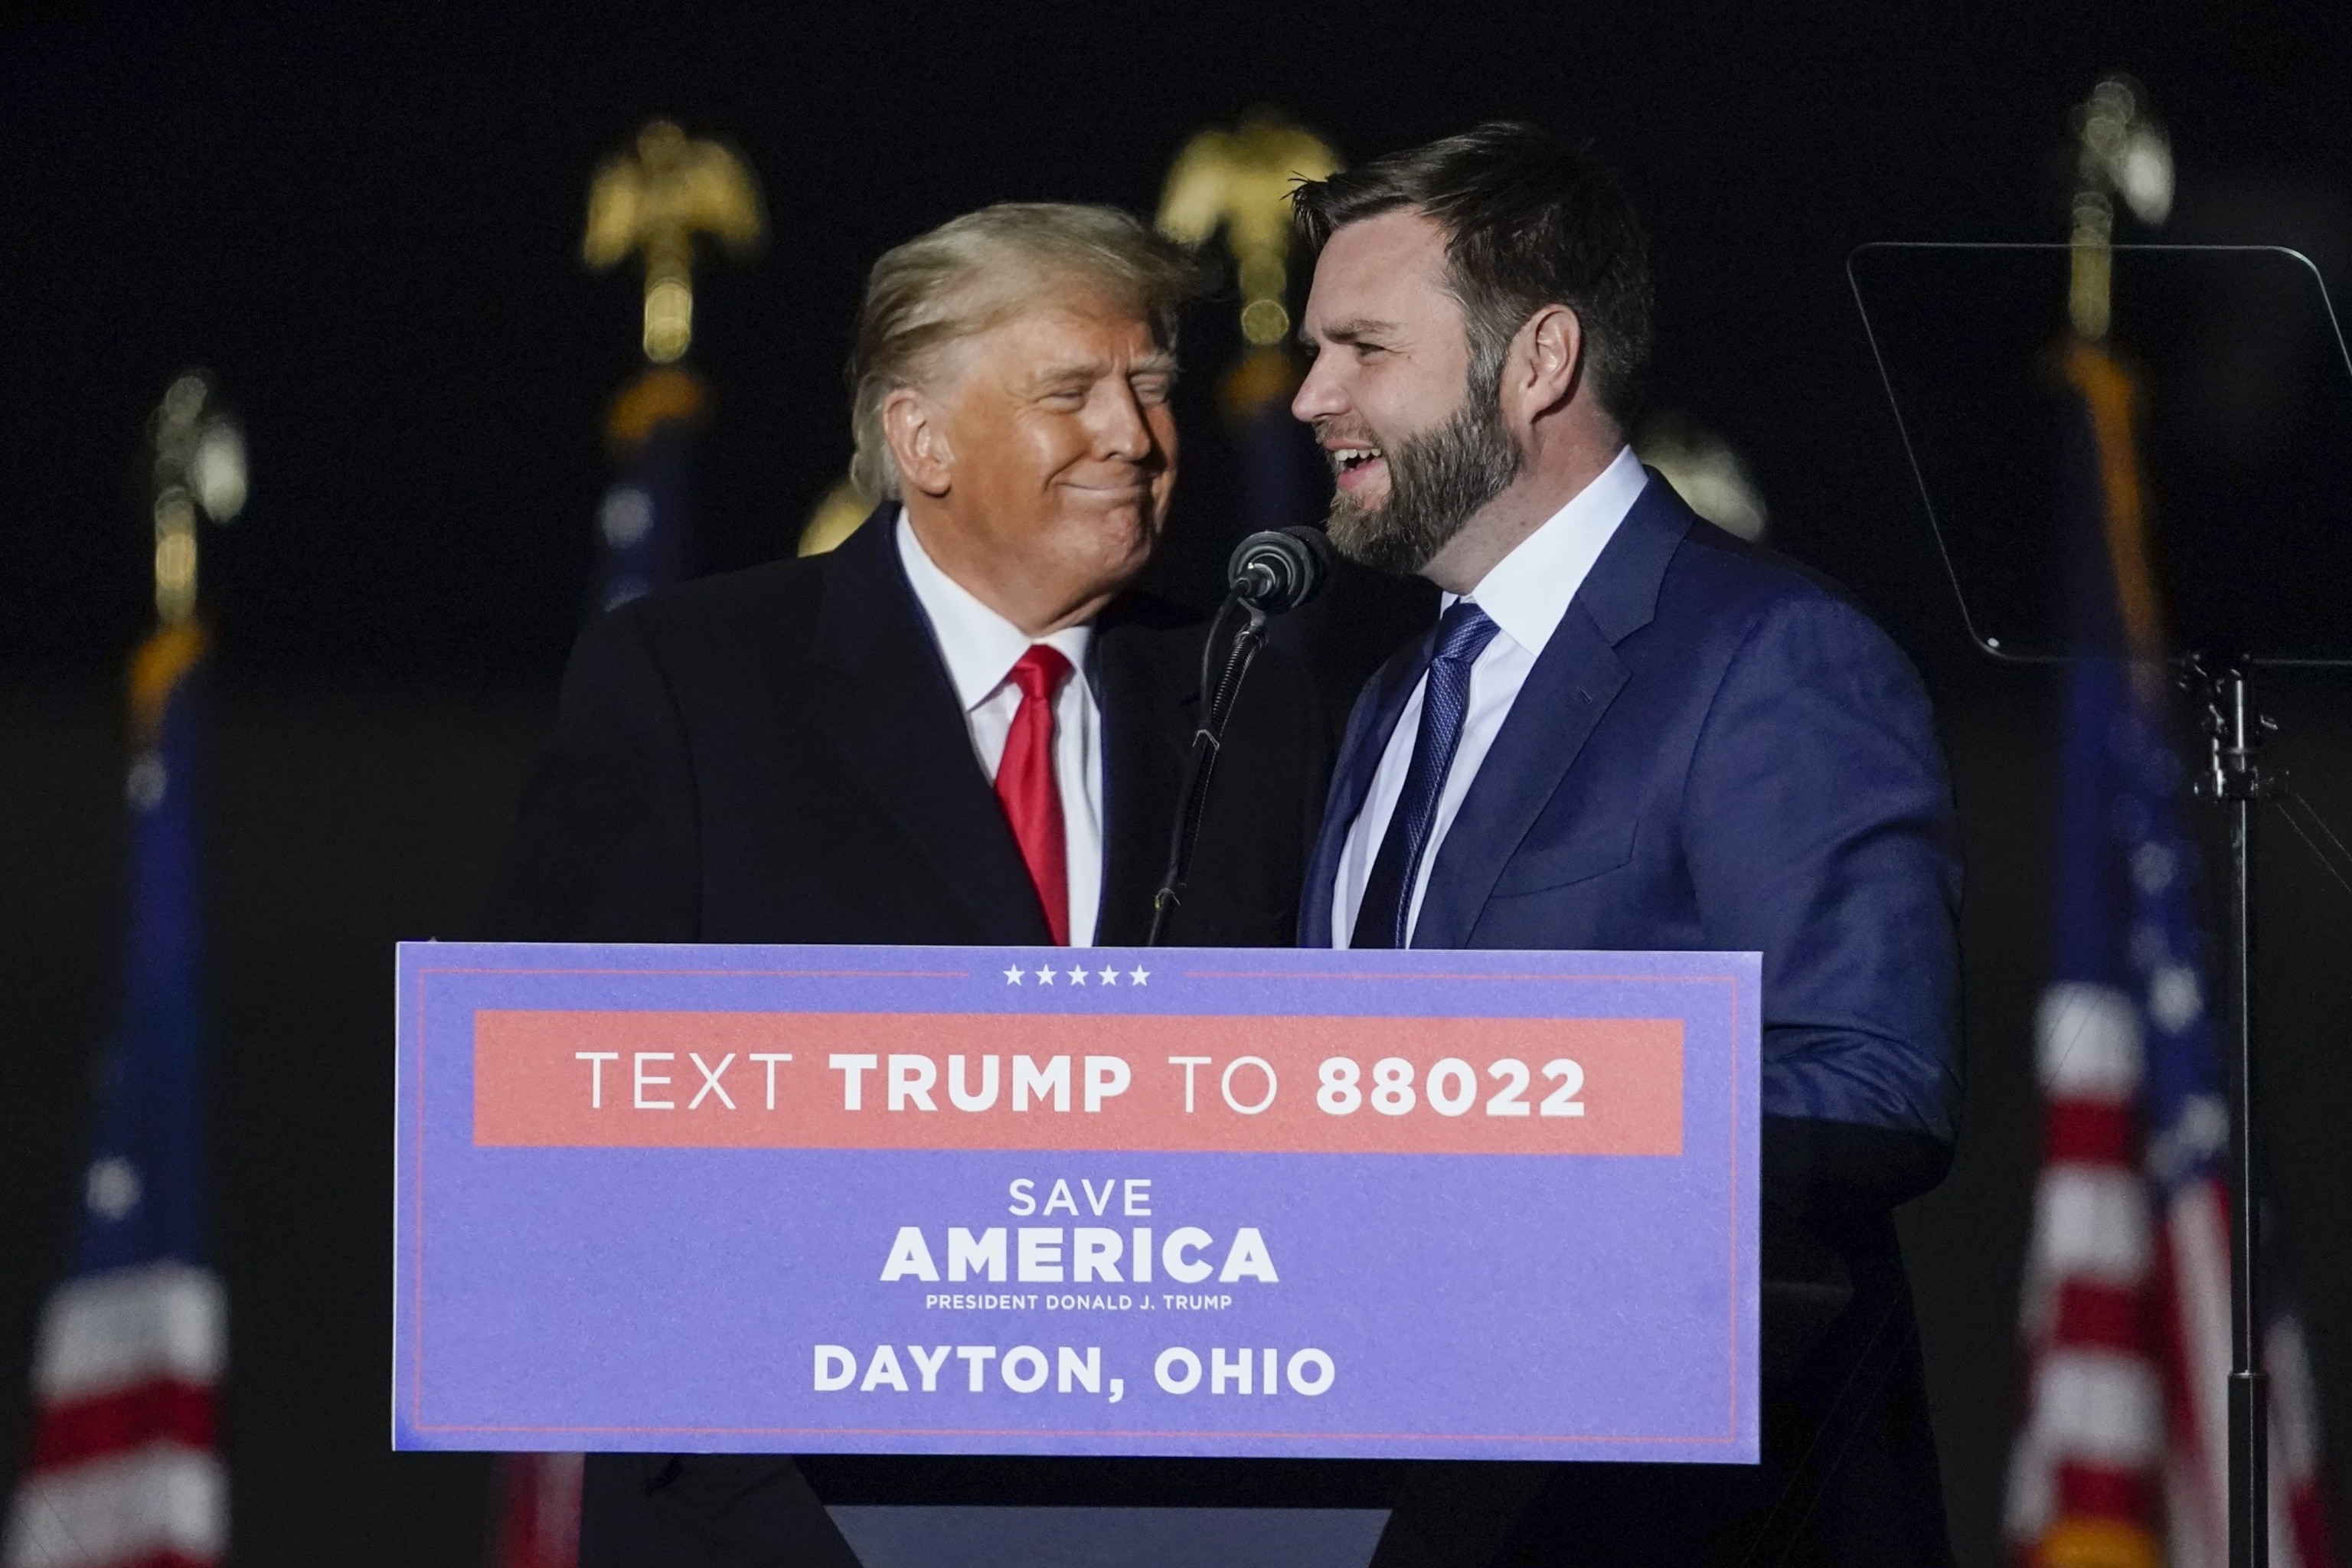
[(1320, 395), (1123, 431)]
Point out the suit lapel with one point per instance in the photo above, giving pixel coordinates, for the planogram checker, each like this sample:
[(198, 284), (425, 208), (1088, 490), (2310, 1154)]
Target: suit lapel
[(1571, 687), (1565, 695), (1370, 726), (894, 714)]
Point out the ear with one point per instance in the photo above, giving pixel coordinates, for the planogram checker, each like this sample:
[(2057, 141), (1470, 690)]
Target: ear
[(919, 442), (1547, 361)]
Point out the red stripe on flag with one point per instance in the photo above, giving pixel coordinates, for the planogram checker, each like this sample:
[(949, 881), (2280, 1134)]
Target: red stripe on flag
[(539, 1523), (2103, 1491), (2105, 1317), (2088, 1131), (83, 1429), (2191, 1309), (2307, 1513)]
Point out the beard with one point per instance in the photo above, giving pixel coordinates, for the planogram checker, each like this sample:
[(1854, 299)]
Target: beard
[(1438, 480)]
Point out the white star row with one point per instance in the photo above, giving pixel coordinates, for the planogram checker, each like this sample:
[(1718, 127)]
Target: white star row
[(1139, 975)]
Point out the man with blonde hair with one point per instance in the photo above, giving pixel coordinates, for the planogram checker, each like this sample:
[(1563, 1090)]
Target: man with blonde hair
[(958, 728)]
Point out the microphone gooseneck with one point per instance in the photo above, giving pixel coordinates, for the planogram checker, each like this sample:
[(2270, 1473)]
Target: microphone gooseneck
[(1268, 575)]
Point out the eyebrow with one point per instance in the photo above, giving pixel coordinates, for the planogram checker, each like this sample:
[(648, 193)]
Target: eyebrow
[(1158, 363), (1347, 332)]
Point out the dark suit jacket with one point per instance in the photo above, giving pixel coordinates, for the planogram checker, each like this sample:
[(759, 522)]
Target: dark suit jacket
[(1717, 750), (777, 755)]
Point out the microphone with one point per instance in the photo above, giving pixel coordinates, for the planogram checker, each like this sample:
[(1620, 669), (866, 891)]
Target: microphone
[(1269, 574), (1279, 569)]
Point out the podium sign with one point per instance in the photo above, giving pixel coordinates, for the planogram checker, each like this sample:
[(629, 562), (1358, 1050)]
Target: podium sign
[(1078, 1202)]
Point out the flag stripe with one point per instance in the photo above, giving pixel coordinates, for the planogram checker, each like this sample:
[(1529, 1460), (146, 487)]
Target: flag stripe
[(85, 1429), (2089, 1042), (2106, 1492), (124, 1510), (2293, 1418), (2089, 1131), (2092, 1223), (2197, 1238), (2098, 1406), (2100, 1317), (2313, 1541), (111, 1332)]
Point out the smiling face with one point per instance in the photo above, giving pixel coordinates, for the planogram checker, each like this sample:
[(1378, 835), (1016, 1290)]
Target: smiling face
[(1038, 458), (1410, 424)]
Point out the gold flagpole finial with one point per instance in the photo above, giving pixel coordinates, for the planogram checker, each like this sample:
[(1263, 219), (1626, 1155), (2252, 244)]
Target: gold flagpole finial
[(198, 452), (2120, 150), (1239, 182), (655, 200), (834, 519)]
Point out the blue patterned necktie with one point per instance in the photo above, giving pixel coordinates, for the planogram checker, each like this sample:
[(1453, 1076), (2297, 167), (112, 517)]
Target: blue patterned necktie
[(1462, 635)]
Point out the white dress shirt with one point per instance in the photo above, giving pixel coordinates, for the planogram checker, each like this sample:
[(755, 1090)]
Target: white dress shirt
[(1525, 595), (981, 647)]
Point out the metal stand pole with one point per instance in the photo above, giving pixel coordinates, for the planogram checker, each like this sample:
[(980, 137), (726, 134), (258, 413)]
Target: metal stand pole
[(1217, 707), (2236, 780)]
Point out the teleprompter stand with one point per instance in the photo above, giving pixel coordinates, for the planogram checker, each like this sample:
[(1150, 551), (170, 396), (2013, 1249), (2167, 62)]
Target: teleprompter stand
[(2235, 779), (2219, 405)]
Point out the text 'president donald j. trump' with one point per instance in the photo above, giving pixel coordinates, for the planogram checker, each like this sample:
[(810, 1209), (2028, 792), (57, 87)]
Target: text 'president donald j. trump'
[(1631, 731)]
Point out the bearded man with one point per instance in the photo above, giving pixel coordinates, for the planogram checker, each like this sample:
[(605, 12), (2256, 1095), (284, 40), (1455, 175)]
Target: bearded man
[(1631, 731), (958, 728)]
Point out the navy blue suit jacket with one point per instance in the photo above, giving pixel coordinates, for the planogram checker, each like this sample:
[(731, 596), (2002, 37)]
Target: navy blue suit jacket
[(1719, 751), (1716, 751)]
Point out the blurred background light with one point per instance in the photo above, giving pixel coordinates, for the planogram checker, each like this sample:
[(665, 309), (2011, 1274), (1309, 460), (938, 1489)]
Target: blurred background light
[(1705, 471)]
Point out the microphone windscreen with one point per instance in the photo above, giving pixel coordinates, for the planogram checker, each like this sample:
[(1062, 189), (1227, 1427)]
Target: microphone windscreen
[(1281, 569)]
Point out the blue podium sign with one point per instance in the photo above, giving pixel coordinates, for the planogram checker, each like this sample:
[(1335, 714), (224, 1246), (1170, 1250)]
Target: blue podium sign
[(1078, 1202)]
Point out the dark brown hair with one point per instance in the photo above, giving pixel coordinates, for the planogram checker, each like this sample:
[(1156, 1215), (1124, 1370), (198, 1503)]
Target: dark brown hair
[(1529, 222)]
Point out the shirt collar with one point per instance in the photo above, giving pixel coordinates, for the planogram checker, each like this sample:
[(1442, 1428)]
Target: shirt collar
[(980, 646), (1526, 591)]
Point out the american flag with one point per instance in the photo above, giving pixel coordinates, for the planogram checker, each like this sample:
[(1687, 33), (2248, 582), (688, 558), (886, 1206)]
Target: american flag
[(539, 1511), (2122, 1461), (642, 523), (125, 1470)]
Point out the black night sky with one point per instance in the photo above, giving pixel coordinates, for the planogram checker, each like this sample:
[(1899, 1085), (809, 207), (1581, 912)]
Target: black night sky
[(368, 226)]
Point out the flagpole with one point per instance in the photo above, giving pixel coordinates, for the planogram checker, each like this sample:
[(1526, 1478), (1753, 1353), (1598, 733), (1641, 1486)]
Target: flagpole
[(654, 201)]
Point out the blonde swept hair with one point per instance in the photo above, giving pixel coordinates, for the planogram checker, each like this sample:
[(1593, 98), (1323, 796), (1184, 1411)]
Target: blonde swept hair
[(979, 271)]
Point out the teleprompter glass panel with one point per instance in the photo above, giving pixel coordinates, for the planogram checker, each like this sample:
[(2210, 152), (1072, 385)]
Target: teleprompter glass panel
[(2243, 424)]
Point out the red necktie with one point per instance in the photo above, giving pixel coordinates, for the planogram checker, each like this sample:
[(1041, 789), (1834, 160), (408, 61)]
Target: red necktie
[(1024, 783)]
